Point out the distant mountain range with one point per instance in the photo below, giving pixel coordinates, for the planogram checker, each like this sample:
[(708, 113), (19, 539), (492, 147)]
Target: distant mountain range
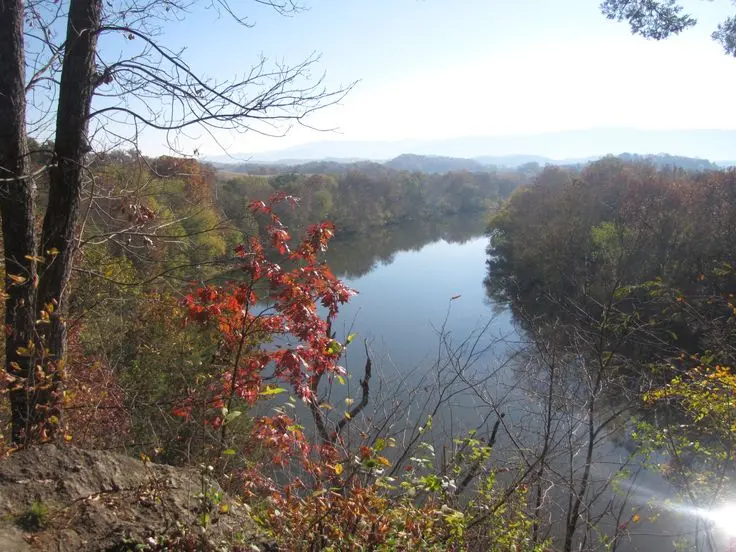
[(663, 160), (433, 164), (569, 147)]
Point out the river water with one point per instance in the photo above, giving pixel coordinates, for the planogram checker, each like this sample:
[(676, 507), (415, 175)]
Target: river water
[(423, 310), (406, 277)]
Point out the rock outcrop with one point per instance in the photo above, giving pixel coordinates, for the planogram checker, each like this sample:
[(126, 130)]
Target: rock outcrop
[(64, 499)]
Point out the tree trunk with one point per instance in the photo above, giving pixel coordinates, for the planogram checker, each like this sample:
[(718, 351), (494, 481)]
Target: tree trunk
[(58, 238), (28, 343), (17, 191)]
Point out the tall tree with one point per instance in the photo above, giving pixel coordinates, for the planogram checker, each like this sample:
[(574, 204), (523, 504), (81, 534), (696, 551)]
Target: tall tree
[(16, 206), (89, 95)]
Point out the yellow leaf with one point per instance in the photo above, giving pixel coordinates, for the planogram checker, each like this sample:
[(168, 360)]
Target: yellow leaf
[(272, 391), (339, 468), (67, 438), (635, 518), (23, 351), (35, 258), (383, 460)]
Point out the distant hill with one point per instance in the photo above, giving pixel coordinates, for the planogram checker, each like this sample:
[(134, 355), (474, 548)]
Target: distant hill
[(268, 159), (513, 161), (564, 145), (664, 160), (335, 160), (436, 164), (433, 164), (310, 167), (333, 167)]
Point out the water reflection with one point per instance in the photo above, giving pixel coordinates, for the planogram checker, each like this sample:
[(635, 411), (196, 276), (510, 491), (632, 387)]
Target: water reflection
[(406, 276), (353, 256)]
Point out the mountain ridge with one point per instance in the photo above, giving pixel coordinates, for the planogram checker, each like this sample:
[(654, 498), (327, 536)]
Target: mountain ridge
[(565, 145), (432, 164)]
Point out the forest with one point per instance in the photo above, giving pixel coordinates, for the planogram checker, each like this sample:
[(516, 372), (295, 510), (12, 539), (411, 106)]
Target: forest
[(618, 271), (360, 198), (176, 374), (176, 298), (629, 271)]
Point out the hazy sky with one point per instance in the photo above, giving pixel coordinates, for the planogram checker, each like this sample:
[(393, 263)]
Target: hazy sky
[(445, 68)]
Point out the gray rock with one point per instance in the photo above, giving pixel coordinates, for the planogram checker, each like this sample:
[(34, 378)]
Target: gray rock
[(101, 501)]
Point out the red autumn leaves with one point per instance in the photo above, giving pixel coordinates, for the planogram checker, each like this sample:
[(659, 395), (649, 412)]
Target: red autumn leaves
[(271, 319)]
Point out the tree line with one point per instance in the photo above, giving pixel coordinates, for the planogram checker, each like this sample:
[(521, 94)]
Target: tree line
[(575, 236), (623, 277), (367, 196)]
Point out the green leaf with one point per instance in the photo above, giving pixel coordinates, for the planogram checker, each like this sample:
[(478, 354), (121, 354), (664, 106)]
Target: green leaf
[(232, 415), (334, 348), (229, 452), (272, 391), (341, 380)]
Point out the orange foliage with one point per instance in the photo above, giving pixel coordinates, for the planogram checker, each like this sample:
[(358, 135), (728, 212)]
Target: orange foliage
[(199, 178)]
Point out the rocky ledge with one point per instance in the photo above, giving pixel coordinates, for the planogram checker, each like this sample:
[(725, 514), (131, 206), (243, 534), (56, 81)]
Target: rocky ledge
[(65, 499)]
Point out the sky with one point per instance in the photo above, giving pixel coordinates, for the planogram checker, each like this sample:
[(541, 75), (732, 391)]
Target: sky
[(440, 69)]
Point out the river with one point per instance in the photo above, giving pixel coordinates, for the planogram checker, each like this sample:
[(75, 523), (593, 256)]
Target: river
[(406, 277), (423, 281)]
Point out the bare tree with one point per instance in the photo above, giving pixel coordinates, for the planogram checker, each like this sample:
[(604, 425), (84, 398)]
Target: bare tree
[(79, 92)]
